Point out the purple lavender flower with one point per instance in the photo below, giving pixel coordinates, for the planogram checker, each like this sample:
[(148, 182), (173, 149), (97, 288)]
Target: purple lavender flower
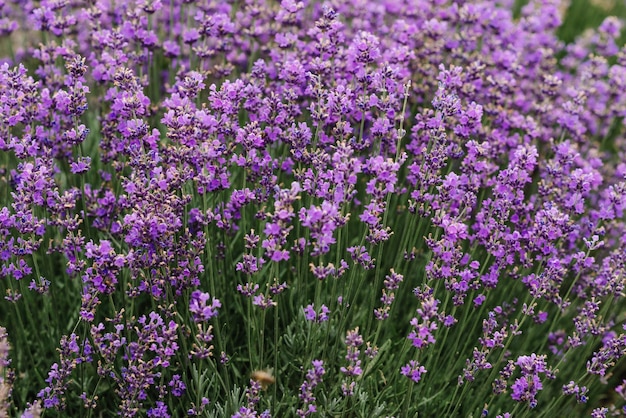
[(263, 301), (600, 412), (6, 374), (579, 391), (353, 342), (313, 379), (311, 315), (33, 410), (245, 413), (525, 388), (456, 137), (198, 306), (413, 370), (391, 282), (177, 386), (159, 411)]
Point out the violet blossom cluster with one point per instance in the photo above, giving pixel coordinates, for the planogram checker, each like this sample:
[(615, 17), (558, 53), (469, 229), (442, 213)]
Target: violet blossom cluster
[(6, 375), (313, 379), (448, 171), (353, 370)]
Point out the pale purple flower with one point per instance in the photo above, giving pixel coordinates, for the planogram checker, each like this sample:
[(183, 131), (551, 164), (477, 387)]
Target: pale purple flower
[(202, 306), (413, 370)]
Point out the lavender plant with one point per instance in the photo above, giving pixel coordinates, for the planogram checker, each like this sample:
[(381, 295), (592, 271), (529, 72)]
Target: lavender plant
[(260, 208)]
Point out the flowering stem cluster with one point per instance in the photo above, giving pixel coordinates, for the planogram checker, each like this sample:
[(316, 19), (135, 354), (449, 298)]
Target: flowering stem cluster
[(300, 208)]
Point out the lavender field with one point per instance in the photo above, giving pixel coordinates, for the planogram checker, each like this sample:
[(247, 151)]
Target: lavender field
[(262, 208)]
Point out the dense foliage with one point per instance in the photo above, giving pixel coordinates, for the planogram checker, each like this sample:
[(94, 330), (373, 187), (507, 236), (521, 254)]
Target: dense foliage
[(351, 208)]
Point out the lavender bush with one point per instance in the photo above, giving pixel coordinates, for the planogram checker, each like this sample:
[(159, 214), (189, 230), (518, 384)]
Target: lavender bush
[(356, 209)]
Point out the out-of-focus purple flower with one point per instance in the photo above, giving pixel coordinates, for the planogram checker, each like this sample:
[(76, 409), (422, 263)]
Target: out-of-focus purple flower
[(478, 300), (245, 412), (263, 301), (6, 374), (600, 412), (33, 410)]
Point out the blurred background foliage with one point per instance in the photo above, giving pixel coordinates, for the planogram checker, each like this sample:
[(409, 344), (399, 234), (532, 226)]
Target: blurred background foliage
[(580, 15)]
